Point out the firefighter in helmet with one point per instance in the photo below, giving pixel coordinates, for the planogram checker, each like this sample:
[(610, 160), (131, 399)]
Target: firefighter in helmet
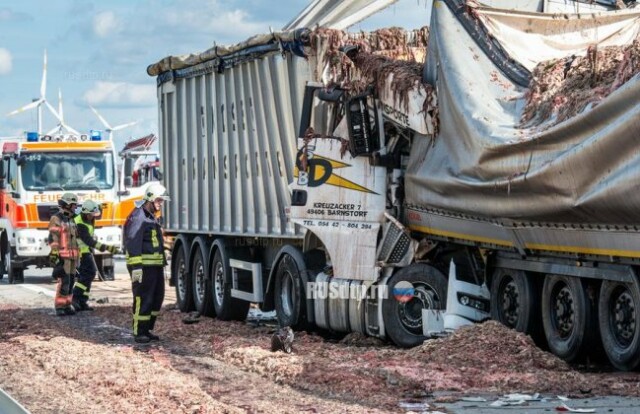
[(64, 255), (144, 248), (87, 242)]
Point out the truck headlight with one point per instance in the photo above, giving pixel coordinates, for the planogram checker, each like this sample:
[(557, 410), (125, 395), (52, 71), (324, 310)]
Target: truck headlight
[(26, 240)]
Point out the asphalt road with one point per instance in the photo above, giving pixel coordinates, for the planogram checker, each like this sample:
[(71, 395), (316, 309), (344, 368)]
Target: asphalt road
[(38, 291)]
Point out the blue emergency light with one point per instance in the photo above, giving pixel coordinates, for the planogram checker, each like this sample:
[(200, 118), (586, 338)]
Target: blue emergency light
[(32, 137), (96, 135)]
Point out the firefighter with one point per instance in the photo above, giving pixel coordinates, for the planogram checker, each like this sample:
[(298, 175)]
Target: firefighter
[(144, 248), (87, 242), (64, 255)]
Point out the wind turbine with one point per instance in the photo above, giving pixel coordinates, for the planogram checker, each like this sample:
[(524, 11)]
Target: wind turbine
[(37, 103), (108, 127), (60, 115)]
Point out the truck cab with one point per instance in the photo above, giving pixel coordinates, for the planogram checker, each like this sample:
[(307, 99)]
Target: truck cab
[(34, 173)]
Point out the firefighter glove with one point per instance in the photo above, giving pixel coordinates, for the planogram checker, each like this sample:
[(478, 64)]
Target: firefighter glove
[(54, 257), (101, 247), (113, 249), (136, 275)]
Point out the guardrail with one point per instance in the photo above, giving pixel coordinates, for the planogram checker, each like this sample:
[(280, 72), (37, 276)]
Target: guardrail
[(10, 406)]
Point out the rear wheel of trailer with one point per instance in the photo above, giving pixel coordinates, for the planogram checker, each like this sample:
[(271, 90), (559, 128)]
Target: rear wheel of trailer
[(226, 307), (181, 277), (618, 307), (202, 298)]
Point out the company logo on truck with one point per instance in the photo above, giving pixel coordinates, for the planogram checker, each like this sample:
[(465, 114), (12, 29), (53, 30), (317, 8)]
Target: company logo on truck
[(314, 170)]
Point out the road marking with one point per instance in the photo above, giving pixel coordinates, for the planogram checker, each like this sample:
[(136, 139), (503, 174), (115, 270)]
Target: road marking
[(39, 289), (9, 405)]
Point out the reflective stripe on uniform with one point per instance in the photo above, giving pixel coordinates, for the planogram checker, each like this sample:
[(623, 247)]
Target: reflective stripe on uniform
[(80, 286), (137, 317), (154, 238), (153, 259)]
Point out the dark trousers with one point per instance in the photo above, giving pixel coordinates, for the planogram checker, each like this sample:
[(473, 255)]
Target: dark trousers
[(147, 299), (86, 272), (64, 286)]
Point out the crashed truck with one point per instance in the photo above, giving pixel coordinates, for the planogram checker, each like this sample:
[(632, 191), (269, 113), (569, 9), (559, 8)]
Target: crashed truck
[(484, 168)]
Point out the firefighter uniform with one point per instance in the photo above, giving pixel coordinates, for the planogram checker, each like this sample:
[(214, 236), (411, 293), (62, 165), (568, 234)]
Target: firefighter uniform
[(87, 242), (144, 246), (63, 241)]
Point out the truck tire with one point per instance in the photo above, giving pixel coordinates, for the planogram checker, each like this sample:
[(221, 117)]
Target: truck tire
[(183, 281), (202, 298), (403, 320), (290, 297), (108, 273), (15, 275), (515, 302), (226, 307), (4, 245), (567, 317), (619, 320)]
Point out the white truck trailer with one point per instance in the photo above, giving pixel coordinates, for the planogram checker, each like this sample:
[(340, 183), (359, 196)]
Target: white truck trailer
[(378, 198)]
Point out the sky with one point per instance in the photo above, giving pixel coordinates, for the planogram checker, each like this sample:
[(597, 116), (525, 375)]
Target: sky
[(98, 51)]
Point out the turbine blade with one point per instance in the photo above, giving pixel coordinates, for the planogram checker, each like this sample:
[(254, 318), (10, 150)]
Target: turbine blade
[(123, 126), (53, 130), (26, 107), (43, 85), (53, 111), (68, 128), (104, 121), (60, 104)]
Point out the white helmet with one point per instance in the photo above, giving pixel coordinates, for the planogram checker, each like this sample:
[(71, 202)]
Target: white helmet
[(155, 191)]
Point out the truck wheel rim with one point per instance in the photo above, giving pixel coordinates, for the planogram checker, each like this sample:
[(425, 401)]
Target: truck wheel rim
[(199, 280), (562, 311), (7, 261), (286, 293), (411, 312), (510, 303), (182, 285), (219, 284), (622, 316)]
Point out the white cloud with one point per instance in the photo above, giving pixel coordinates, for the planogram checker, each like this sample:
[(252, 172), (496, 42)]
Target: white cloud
[(121, 94), (6, 61), (8, 15), (105, 23)]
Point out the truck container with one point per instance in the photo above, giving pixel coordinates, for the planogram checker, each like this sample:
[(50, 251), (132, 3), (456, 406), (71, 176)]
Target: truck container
[(339, 180)]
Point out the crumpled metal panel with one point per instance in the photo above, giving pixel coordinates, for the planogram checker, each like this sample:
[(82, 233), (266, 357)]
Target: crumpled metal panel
[(583, 170)]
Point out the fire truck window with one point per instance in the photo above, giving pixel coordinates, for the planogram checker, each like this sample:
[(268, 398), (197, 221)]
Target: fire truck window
[(68, 171), (12, 174)]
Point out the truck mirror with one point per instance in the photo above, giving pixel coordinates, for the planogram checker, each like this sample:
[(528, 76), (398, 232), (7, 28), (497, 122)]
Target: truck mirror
[(362, 121), (128, 181), (21, 160)]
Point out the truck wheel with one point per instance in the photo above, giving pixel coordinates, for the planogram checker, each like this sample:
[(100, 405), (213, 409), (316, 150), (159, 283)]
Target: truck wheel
[(108, 273), (515, 302), (619, 318), (567, 316), (14, 275), (226, 307), (427, 289), (202, 299), (182, 279), (290, 297), (3, 266)]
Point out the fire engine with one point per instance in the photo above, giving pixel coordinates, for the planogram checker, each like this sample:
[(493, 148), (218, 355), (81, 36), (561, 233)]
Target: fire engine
[(34, 173)]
